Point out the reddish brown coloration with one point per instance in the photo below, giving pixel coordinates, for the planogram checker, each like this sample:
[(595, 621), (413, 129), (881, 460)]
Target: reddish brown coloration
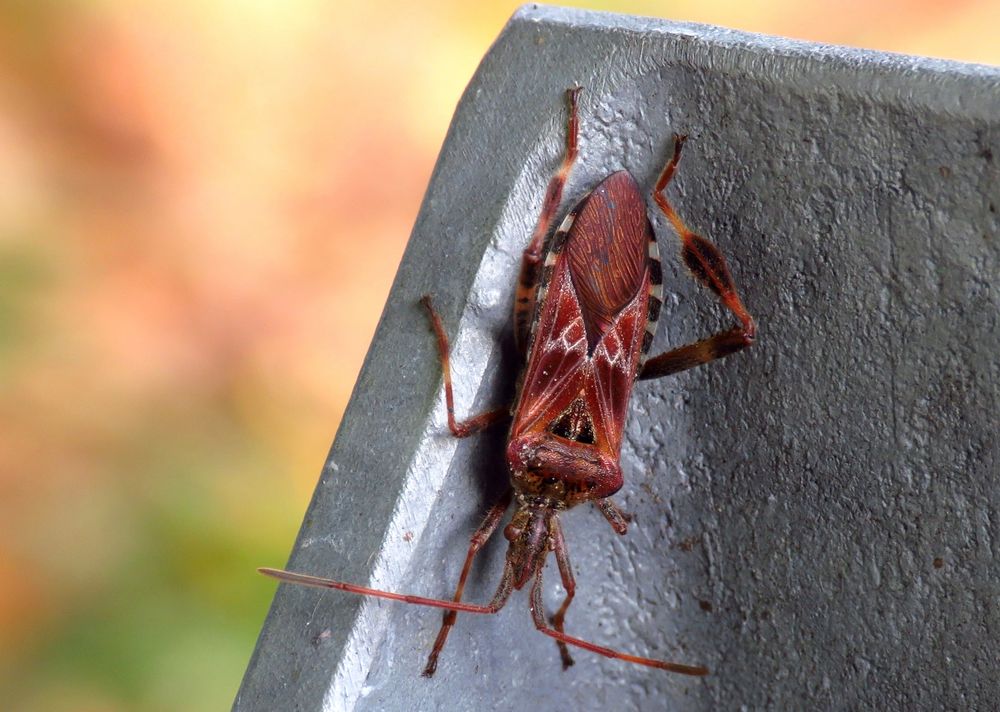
[(466, 427), (584, 319), (527, 282)]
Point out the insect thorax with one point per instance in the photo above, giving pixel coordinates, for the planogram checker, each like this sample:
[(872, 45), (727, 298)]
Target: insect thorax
[(567, 472)]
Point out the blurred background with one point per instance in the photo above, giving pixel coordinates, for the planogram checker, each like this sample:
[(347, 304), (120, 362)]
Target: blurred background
[(202, 207)]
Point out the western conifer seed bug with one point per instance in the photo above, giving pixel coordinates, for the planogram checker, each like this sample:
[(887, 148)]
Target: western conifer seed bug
[(586, 308)]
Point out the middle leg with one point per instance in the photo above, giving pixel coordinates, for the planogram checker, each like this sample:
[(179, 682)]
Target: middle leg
[(464, 428)]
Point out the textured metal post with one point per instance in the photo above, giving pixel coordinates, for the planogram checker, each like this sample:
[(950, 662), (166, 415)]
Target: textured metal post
[(817, 520)]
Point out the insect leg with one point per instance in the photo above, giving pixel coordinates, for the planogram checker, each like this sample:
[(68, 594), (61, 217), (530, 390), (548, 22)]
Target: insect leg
[(524, 302), (568, 582), (702, 257), (482, 535), (613, 513), (471, 426), (696, 354), (538, 616), (496, 603), (709, 267)]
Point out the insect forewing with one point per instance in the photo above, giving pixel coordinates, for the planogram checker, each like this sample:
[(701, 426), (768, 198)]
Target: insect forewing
[(591, 316)]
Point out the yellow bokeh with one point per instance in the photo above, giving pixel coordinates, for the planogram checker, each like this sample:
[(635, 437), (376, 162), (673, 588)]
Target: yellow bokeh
[(202, 207)]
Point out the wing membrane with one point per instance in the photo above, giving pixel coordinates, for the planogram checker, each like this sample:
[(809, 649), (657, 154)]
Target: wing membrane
[(587, 339)]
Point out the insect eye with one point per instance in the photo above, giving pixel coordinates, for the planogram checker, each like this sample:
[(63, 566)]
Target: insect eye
[(510, 532)]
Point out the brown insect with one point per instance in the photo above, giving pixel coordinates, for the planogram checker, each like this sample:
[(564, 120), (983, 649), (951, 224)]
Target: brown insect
[(587, 305)]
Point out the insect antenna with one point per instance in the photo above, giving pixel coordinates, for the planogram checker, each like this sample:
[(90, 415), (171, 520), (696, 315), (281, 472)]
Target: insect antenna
[(538, 616), (499, 598)]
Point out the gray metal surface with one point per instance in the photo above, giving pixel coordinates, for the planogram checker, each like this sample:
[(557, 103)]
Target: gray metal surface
[(817, 520)]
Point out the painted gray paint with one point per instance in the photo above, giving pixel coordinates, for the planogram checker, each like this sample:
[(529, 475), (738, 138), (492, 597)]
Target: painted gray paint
[(817, 519)]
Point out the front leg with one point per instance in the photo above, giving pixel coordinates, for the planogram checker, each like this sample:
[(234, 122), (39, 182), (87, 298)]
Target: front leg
[(616, 517), (569, 585), (479, 539)]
